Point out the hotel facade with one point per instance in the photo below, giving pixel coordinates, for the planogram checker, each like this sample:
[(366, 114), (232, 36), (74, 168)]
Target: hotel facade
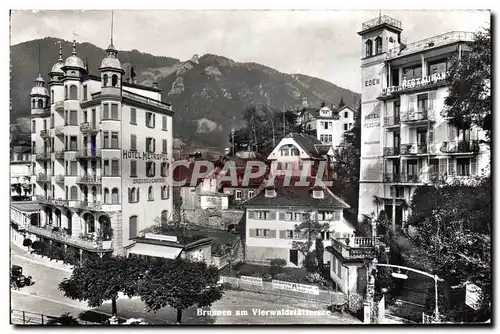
[(406, 142), (101, 148)]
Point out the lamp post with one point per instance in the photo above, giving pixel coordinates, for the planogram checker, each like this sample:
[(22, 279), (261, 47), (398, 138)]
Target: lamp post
[(403, 276)]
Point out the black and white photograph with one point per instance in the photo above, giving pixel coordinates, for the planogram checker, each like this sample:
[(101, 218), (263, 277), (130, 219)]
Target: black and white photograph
[(314, 167)]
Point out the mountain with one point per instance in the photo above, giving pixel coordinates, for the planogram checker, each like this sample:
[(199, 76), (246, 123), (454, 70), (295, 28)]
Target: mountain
[(208, 93)]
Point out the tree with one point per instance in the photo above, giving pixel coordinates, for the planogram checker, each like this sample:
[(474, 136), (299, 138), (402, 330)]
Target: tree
[(319, 252), (180, 284), (27, 243), (341, 102), (98, 280), (310, 230), (469, 100), (453, 225)]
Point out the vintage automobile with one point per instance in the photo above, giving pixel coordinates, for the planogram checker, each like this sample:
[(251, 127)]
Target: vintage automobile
[(17, 279)]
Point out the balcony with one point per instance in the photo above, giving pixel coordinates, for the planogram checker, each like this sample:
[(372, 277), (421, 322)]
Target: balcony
[(80, 242), (409, 149), (59, 106), (391, 151), (44, 134), (411, 178), (359, 250), (59, 179), (59, 155), (391, 121), (87, 127), (381, 20), (43, 156), (146, 100), (44, 199), (417, 115), (59, 130), (431, 42), (90, 179), (43, 177), (460, 147), (88, 154), (392, 177), (86, 205), (414, 84)]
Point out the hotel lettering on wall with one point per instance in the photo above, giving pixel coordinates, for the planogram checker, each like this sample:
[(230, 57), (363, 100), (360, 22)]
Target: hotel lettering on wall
[(136, 155)]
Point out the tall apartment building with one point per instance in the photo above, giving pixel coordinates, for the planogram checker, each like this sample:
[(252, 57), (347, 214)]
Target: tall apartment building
[(406, 142), (99, 175)]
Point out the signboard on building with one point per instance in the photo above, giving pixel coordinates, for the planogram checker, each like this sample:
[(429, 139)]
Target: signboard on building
[(416, 82), (251, 280), (303, 288), (472, 296), (158, 180), (137, 155)]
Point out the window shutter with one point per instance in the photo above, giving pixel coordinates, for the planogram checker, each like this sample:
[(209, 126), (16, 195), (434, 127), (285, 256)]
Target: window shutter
[(282, 216), (272, 216), (282, 234), (137, 199), (272, 233), (473, 167), (154, 144), (132, 115), (164, 146), (129, 195), (154, 118), (252, 232)]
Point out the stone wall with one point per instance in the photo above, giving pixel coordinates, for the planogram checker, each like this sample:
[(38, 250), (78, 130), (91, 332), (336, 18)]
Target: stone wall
[(213, 218)]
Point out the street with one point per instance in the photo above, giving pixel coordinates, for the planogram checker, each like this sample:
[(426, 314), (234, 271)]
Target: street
[(236, 307)]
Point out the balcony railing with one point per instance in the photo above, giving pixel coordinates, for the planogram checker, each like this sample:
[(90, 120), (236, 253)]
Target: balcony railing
[(391, 151), (88, 127), (392, 177), (439, 40), (381, 20), (86, 154), (90, 179), (42, 177), (59, 106), (411, 178), (93, 206), (357, 252), (417, 115), (391, 121), (59, 154), (43, 156), (460, 147), (147, 100), (70, 239), (59, 130), (60, 178), (45, 134), (408, 149)]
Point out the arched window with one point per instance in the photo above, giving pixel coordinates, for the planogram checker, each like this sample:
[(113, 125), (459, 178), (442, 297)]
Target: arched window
[(106, 195), (33, 104), (53, 192), (164, 216), (74, 193), (40, 103), (114, 196), (114, 80), (67, 193), (150, 193), (132, 227), (164, 192), (73, 92), (378, 45), (368, 48), (52, 96), (105, 80), (65, 92)]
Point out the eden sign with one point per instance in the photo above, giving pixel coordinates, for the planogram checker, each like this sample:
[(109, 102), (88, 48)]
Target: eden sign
[(136, 155)]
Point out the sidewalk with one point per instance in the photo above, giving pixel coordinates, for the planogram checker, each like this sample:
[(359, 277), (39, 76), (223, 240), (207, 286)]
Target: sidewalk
[(23, 253)]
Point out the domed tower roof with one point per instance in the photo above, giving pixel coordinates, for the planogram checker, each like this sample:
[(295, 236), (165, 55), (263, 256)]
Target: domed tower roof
[(74, 60), (57, 68), (39, 88), (111, 60)]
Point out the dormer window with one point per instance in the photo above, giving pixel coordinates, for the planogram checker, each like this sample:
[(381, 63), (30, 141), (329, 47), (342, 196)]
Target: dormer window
[(270, 192), (318, 193)]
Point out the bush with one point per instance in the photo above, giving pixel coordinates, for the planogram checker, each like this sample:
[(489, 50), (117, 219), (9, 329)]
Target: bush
[(315, 278), (71, 256), (37, 247), (64, 319), (277, 266), (267, 277), (310, 263), (288, 277), (27, 242)]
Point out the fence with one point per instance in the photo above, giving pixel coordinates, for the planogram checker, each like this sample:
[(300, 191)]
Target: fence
[(256, 285), (18, 317)]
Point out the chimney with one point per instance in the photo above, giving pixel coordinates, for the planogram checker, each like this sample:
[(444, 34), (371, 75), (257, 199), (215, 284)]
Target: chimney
[(155, 85)]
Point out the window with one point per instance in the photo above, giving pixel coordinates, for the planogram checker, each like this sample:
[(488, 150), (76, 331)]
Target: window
[(164, 146), (339, 268), (238, 194), (66, 92), (285, 152), (318, 193), (164, 169), (263, 232), (422, 102), (40, 103), (73, 117), (106, 168), (463, 167), (132, 227), (73, 143), (33, 126), (73, 92), (114, 80), (150, 168), (105, 139), (74, 193), (263, 215), (295, 152), (114, 196), (133, 195), (164, 192), (164, 216), (67, 193), (378, 45), (114, 140), (151, 196), (346, 114), (150, 120), (133, 116), (85, 92), (437, 67), (52, 96), (345, 126), (412, 73), (164, 123), (73, 168), (397, 192), (368, 48), (150, 145), (115, 167), (105, 80), (105, 111), (250, 193), (106, 195), (133, 168), (114, 111)]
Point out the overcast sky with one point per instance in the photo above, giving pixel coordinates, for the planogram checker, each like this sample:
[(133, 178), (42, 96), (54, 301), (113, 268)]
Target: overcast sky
[(323, 44)]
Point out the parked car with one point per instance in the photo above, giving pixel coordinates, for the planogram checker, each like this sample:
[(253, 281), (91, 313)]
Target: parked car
[(17, 279)]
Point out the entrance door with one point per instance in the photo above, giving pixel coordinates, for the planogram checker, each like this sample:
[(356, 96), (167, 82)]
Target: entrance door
[(399, 216), (294, 256), (388, 211)]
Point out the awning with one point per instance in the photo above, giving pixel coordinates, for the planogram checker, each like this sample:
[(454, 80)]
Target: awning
[(166, 252)]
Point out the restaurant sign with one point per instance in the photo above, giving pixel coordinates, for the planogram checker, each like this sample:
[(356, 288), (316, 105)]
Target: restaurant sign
[(144, 155), (416, 82)]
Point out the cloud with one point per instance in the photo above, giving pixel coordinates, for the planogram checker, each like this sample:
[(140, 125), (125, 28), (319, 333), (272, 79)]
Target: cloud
[(323, 43)]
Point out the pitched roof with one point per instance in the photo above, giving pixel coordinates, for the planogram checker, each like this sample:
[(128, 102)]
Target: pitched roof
[(311, 145), (293, 195)]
